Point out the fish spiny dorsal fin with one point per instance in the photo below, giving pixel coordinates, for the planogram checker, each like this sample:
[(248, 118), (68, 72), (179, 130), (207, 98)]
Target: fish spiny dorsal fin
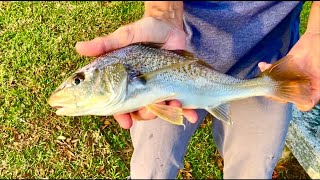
[(151, 74), (203, 63), (183, 53), (149, 44), (190, 56), (186, 54)]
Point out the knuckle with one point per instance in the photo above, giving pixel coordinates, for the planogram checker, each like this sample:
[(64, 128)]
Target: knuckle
[(126, 32), (99, 39)]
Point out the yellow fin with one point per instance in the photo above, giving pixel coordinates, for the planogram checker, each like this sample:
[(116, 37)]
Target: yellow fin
[(292, 84), (171, 114), (221, 112), (149, 75)]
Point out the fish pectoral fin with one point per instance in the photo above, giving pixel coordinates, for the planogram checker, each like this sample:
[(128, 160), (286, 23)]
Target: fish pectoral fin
[(149, 75), (221, 112), (171, 114)]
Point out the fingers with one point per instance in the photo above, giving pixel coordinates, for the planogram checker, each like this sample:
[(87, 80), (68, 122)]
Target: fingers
[(146, 114), (142, 114), (124, 120), (147, 29), (190, 114), (142, 30), (301, 107), (101, 45), (263, 66), (306, 107), (94, 47)]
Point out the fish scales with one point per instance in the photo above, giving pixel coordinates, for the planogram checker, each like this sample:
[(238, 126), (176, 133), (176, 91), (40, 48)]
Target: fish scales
[(145, 59), (137, 76)]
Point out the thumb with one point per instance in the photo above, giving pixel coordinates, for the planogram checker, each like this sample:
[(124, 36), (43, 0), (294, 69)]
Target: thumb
[(101, 45), (147, 29), (263, 66)]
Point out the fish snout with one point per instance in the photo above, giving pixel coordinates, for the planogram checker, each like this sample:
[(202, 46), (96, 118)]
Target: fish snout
[(58, 101), (52, 101)]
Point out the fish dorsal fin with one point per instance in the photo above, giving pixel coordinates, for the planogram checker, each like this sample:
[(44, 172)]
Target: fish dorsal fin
[(183, 53), (171, 114), (186, 54), (189, 55), (221, 112), (203, 63), (151, 74)]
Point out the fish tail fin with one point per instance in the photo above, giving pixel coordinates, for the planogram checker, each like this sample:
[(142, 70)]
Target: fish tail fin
[(290, 83)]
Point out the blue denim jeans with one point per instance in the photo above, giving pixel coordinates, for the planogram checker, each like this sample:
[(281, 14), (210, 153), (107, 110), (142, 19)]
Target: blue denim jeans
[(250, 147), (233, 41)]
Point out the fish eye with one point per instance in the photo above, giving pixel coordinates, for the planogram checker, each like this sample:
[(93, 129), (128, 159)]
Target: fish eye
[(78, 78)]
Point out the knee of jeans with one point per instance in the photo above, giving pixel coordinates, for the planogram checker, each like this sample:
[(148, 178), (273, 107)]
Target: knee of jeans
[(155, 168), (156, 165), (251, 166)]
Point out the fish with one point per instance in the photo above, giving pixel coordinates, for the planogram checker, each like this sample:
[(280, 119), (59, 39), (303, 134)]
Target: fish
[(142, 75)]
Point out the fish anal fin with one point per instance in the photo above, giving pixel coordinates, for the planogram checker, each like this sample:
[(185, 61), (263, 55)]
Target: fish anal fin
[(221, 112), (171, 114)]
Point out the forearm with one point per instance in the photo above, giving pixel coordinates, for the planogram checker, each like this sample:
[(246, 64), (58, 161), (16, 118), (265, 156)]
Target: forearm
[(171, 11), (314, 18)]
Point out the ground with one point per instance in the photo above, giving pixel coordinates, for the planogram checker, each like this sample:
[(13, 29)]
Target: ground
[(37, 52)]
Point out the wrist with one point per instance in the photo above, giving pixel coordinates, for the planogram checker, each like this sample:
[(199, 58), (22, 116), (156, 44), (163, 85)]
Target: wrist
[(313, 26), (312, 32), (170, 11)]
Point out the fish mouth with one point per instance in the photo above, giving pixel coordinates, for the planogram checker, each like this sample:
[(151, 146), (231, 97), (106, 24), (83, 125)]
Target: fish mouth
[(59, 102), (57, 107)]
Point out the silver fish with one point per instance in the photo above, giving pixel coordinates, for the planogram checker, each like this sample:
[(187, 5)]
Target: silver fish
[(137, 76)]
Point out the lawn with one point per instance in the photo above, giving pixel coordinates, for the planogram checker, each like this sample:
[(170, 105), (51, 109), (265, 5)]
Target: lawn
[(37, 52)]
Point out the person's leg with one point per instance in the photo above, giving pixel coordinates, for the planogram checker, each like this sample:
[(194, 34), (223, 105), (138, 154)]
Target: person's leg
[(159, 147), (252, 146)]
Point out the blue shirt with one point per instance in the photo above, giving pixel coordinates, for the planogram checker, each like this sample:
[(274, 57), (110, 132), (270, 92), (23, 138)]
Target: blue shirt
[(235, 36)]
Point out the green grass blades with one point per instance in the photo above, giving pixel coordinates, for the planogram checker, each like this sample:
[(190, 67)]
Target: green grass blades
[(37, 52)]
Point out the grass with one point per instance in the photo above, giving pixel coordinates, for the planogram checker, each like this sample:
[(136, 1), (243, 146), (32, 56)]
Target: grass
[(37, 52)]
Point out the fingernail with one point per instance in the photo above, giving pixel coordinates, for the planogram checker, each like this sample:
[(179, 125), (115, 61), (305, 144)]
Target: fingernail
[(78, 44), (192, 120)]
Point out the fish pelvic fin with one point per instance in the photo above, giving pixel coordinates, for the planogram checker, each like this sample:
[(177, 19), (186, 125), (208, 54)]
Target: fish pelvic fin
[(221, 112), (171, 114), (291, 84)]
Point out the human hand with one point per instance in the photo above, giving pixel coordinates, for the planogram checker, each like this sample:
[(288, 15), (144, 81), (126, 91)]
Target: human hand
[(147, 29), (306, 54)]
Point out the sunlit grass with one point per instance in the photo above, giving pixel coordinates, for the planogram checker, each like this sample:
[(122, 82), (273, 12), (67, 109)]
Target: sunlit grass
[(36, 53)]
